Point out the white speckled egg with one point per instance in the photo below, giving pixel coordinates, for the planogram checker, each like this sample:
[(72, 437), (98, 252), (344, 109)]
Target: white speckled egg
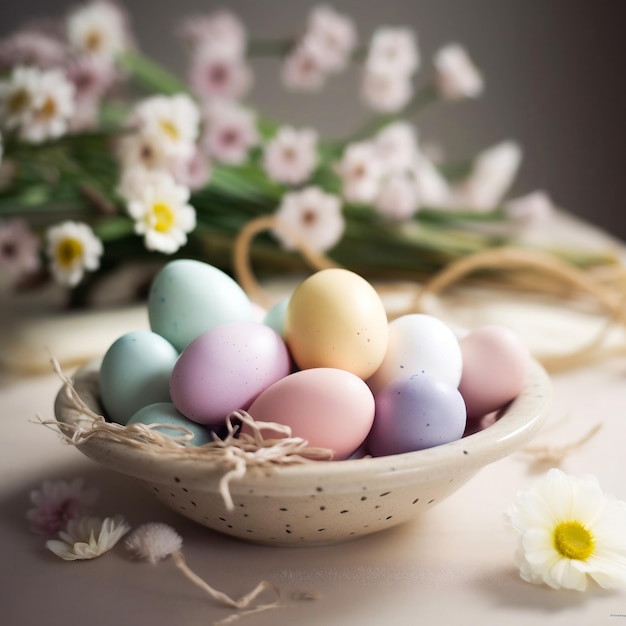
[(135, 372), (336, 319), (419, 344), (189, 297)]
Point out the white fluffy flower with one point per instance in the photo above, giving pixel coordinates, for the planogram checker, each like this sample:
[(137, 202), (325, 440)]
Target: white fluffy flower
[(360, 171), (215, 73), (97, 29), (531, 208), (154, 542), (37, 103), (230, 132), (569, 530), (161, 212), (303, 69), (291, 156), (457, 77), (73, 249), (311, 216), (174, 120), (393, 51), (492, 175), (396, 146), (398, 198), (386, 92), (335, 34), (88, 537)]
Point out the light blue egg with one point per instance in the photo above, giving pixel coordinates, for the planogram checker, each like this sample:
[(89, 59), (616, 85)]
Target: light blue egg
[(188, 297), (135, 372), (275, 317), (166, 413)]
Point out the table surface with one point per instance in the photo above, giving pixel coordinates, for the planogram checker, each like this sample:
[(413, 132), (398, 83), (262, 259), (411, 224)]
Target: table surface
[(452, 565)]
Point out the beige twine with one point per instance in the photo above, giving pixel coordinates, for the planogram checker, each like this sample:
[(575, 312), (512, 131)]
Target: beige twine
[(234, 455), (544, 273)]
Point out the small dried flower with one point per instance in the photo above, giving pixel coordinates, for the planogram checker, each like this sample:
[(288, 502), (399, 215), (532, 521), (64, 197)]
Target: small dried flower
[(215, 73), (569, 530), (56, 503), (303, 69), (220, 29), (154, 542), (335, 34), (88, 538), (73, 249), (398, 198), (230, 133), (386, 92), (291, 156), (457, 77), (361, 171), (311, 216), (396, 146), (19, 247), (393, 51)]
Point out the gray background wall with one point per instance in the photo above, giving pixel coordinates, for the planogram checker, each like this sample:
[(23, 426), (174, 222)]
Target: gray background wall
[(554, 72)]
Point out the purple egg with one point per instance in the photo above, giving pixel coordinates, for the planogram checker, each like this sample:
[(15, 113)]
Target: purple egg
[(414, 413), (225, 369)]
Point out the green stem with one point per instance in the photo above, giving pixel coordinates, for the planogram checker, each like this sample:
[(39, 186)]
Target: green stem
[(151, 74)]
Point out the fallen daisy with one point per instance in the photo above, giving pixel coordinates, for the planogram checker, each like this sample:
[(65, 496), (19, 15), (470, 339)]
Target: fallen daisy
[(569, 530), (88, 537), (155, 541)]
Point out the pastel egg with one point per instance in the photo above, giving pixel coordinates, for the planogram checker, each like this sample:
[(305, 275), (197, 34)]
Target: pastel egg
[(135, 372), (419, 343), (189, 297), (336, 319), (225, 369), (495, 365), (414, 413), (275, 317), (167, 414), (330, 408)]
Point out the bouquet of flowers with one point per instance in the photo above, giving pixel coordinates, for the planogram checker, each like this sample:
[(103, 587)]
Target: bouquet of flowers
[(109, 159)]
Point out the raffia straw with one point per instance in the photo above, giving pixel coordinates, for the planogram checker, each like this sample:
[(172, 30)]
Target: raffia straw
[(234, 455)]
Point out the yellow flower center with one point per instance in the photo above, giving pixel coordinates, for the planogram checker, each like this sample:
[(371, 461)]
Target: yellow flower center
[(48, 109), (170, 130), (93, 41), (19, 101), (163, 217), (69, 251), (573, 541)]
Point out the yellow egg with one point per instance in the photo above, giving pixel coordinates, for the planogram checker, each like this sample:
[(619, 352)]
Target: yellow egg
[(335, 318)]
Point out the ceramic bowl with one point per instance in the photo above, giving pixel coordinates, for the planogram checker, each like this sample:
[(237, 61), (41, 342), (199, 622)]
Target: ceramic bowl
[(321, 502)]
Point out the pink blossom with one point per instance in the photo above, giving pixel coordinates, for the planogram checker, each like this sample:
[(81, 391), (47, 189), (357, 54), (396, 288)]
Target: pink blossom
[(393, 51), (291, 156), (230, 133), (386, 92), (398, 198), (335, 34), (532, 208), (56, 503), (33, 48), (457, 76), (193, 172), (221, 29), (360, 171), (303, 69), (19, 249), (215, 73)]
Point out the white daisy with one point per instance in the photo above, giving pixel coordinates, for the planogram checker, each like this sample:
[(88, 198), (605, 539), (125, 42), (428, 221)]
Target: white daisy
[(386, 92), (88, 537), (154, 542), (291, 156), (17, 95), (311, 216), (456, 76), (336, 35), (230, 132), (393, 51), (360, 171), (569, 530), (97, 29), (73, 249), (174, 120), (161, 212)]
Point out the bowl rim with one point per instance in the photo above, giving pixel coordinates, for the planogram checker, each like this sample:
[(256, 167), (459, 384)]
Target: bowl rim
[(517, 424)]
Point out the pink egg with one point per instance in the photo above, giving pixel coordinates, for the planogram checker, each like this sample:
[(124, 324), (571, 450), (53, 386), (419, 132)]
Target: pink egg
[(330, 408), (495, 364), (225, 369)]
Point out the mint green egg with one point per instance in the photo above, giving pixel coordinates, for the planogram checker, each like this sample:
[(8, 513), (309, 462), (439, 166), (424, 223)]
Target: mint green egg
[(135, 372), (167, 414), (189, 297), (275, 317)]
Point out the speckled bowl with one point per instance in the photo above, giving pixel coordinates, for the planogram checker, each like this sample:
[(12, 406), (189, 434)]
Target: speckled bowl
[(321, 502)]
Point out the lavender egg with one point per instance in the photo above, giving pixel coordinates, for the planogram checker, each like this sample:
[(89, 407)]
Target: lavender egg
[(225, 369), (416, 412)]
